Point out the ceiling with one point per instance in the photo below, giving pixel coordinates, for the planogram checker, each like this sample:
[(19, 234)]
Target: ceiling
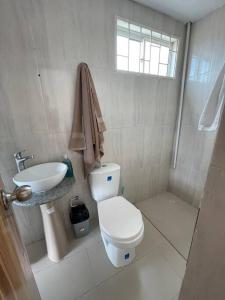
[(184, 10)]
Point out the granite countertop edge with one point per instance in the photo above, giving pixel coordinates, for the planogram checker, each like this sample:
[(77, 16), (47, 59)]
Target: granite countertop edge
[(44, 197)]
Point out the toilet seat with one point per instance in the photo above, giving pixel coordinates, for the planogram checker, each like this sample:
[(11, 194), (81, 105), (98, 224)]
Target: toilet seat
[(132, 243), (120, 221)]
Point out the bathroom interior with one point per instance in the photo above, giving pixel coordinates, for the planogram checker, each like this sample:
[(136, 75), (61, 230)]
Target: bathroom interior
[(158, 71)]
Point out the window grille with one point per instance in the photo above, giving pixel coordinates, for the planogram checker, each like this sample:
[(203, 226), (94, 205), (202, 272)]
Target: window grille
[(143, 50)]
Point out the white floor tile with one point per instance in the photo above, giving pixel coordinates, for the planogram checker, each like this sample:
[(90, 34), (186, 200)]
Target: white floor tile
[(174, 259), (87, 274), (149, 278), (93, 238), (37, 253), (94, 294), (152, 237), (66, 280), (173, 217), (101, 266)]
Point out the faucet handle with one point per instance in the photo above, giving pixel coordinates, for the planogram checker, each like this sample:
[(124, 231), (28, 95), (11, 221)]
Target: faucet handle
[(19, 154)]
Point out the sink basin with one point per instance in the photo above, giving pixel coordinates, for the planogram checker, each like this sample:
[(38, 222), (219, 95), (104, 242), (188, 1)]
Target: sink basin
[(41, 177)]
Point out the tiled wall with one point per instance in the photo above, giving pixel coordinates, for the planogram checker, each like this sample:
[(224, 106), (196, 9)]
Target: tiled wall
[(204, 278), (206, 59), (41, 43)]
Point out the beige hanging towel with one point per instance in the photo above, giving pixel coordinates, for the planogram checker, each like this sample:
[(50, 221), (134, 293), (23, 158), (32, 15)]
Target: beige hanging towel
[(88, 125)]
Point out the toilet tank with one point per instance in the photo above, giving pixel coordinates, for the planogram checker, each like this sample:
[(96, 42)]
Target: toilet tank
[(104, 182)]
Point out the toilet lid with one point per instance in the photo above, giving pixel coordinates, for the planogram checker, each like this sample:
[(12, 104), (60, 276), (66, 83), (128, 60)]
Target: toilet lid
[(120, 219)]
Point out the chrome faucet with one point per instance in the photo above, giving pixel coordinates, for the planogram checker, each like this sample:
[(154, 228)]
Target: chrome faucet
[(20, 160)]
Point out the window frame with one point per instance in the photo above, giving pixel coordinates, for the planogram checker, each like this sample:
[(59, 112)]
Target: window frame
[(152, 29)]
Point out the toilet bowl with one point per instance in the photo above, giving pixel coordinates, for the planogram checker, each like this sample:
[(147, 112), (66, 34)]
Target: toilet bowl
[(122, 229), (120, 222)]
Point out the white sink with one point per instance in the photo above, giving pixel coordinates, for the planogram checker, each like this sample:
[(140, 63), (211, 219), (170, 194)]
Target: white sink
[(41, 177)]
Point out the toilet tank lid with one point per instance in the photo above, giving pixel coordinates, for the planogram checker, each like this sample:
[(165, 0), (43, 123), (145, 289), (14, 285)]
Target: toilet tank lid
[(105, 168)]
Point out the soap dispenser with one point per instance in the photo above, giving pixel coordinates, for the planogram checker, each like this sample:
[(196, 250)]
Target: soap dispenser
[(67, 162)]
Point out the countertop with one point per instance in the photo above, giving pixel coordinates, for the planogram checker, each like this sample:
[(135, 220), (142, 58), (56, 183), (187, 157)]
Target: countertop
[(44, 197)]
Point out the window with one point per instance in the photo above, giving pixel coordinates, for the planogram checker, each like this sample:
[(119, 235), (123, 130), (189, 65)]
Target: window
[(143, 50)]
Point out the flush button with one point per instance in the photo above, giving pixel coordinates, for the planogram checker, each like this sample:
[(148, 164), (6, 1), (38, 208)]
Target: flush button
[(109, 178)]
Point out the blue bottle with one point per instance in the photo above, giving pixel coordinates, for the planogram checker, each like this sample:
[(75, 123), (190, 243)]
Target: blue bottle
[(67, 162)]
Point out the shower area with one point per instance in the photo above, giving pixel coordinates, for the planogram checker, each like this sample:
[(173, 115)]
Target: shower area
[(201, 100)]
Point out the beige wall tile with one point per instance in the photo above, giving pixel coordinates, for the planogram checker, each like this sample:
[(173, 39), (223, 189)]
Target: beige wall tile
[(42, 43), (205, 269), (206, 58)]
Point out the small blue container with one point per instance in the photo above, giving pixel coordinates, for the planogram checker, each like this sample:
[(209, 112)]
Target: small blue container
[(67, 162)]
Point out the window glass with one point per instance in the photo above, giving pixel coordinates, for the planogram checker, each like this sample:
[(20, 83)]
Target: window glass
[(143, 50), (134, 55), (122, 45), (164, 55), (154, 63), (147, 50), (146, 67), (162, 70), (135, 27), (122, 63)]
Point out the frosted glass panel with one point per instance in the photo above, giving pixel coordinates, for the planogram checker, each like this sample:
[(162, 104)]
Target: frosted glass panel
[(156, 35), (122, 23), (122, 63), (146, 31), (165, 38), (135, 28)]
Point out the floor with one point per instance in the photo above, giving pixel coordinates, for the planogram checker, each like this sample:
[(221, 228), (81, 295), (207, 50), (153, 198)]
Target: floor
[(86, 273), (174, 218)]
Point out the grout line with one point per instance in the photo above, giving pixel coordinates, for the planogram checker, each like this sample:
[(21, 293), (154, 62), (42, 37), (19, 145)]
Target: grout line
[(91, 269), (194, 231), (124, 268), (164, 236), (120, 270)]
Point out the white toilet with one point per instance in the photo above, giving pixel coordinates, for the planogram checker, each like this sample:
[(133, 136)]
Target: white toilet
[(121, 224)]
